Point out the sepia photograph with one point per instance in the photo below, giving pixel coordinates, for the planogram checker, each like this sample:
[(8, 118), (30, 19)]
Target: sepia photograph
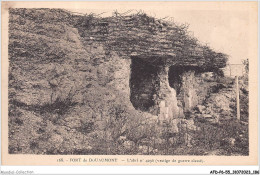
[(131, 80)]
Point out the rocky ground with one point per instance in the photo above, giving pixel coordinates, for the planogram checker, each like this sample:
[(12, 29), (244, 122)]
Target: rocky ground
[(216, 118), (209, 129)]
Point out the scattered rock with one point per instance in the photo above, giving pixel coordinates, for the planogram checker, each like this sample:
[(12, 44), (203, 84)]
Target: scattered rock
[(188, 139), (228, 142), (122, 139), (188, 124), (145, 149), (200, 108), (128, 144), (159, 141), (207, 116), (171, 140), (232, 141), (174, 126), (89, 148)]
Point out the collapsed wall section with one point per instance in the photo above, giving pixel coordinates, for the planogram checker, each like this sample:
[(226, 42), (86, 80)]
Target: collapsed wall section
[(166, 91), (190, 86), (150, 90), (194, 90)]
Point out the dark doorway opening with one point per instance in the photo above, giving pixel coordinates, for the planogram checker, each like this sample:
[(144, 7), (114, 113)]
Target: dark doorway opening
[(143, 84), (175, 78)]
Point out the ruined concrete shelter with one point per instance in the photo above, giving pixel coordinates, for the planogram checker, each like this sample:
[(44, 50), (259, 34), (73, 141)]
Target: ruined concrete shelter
[(165, 62), (155, 63)]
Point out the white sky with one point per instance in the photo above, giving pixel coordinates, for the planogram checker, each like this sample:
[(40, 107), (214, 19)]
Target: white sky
[(225, 28)]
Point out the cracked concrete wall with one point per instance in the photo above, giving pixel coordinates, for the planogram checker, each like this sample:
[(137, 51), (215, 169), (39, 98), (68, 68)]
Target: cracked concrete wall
[(166, 97)]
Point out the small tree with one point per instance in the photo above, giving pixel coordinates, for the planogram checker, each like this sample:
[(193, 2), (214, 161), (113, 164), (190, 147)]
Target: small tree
[(246, 65)]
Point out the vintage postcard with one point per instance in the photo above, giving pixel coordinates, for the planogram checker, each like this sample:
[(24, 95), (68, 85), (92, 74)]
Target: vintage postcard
[(129, 83)]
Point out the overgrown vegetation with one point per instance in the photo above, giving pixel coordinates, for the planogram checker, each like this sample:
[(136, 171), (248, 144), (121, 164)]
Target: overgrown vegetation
[(63, 74)]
